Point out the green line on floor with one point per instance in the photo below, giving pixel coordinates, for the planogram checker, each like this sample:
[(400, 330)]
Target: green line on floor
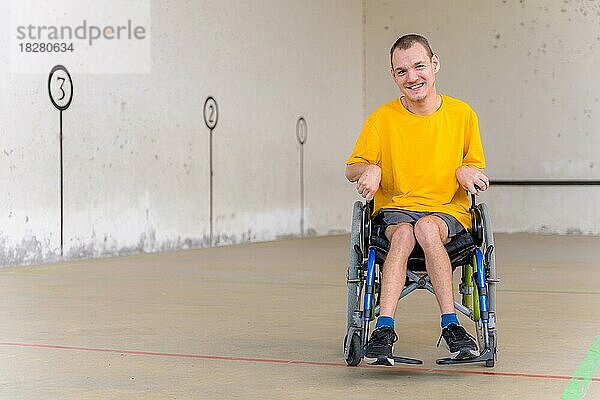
[(580, 382)]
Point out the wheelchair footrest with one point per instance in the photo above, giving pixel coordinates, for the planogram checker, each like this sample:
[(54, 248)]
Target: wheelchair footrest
[(406, 360), (487, 355), (383, 360)]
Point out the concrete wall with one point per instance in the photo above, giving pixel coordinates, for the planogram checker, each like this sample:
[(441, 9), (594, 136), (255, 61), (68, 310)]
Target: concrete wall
[(135, 145), (528, 69), (136, 150)]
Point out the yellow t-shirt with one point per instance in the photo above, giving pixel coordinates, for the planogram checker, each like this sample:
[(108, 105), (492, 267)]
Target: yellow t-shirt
[(419, 155)]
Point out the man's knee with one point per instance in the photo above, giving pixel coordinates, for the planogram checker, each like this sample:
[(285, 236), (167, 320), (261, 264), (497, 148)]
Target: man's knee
[(402, 236), (431, 230)]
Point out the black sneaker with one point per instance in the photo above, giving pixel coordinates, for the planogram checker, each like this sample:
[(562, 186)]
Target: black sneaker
[(379, 349), (460, 344)]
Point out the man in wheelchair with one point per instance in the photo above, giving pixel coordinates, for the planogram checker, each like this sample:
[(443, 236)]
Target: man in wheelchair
[(417, 157)]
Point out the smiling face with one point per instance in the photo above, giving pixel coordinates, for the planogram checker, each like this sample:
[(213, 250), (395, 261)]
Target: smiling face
[(414, 73)]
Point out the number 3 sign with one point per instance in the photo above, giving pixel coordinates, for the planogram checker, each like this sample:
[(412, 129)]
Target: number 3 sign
[(60, 87)]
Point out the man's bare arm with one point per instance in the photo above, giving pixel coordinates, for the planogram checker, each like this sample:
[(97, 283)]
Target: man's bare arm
[(366, 176), (354, 171)]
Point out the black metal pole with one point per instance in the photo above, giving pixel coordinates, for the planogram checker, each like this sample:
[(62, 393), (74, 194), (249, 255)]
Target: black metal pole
[(211, 187), (61, 185), (302, 189)]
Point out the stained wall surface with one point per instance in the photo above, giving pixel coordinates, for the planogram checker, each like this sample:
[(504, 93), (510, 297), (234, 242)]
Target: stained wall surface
[(527, 68), (136, 152)]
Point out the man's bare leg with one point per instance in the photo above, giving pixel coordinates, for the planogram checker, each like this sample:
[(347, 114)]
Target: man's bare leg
[(432, 234), (402, 242), (380, 345)]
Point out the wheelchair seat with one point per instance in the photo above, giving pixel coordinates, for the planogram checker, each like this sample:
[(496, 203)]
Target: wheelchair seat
[(460, 249)]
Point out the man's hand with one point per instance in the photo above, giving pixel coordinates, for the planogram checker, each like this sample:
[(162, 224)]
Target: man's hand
[(368, 182), (472, 179)]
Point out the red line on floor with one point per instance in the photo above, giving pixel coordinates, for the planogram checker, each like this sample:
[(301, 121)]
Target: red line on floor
[(448, 371)]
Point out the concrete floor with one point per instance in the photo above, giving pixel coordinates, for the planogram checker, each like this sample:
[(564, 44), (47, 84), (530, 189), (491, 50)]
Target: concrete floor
[(267, 320)]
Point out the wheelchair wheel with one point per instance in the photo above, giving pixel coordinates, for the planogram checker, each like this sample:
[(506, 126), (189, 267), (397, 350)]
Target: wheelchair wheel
[(489, 251), (354, 350), (354, 262), (488, 245)]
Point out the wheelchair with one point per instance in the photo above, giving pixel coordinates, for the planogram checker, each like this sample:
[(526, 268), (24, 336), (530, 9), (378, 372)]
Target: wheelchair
[(472, 252)]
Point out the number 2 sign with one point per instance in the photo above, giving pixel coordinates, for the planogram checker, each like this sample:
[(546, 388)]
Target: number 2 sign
[(211, 113), (211, 116)]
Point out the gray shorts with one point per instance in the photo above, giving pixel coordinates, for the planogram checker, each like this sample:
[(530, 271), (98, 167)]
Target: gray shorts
[(388, 216)]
